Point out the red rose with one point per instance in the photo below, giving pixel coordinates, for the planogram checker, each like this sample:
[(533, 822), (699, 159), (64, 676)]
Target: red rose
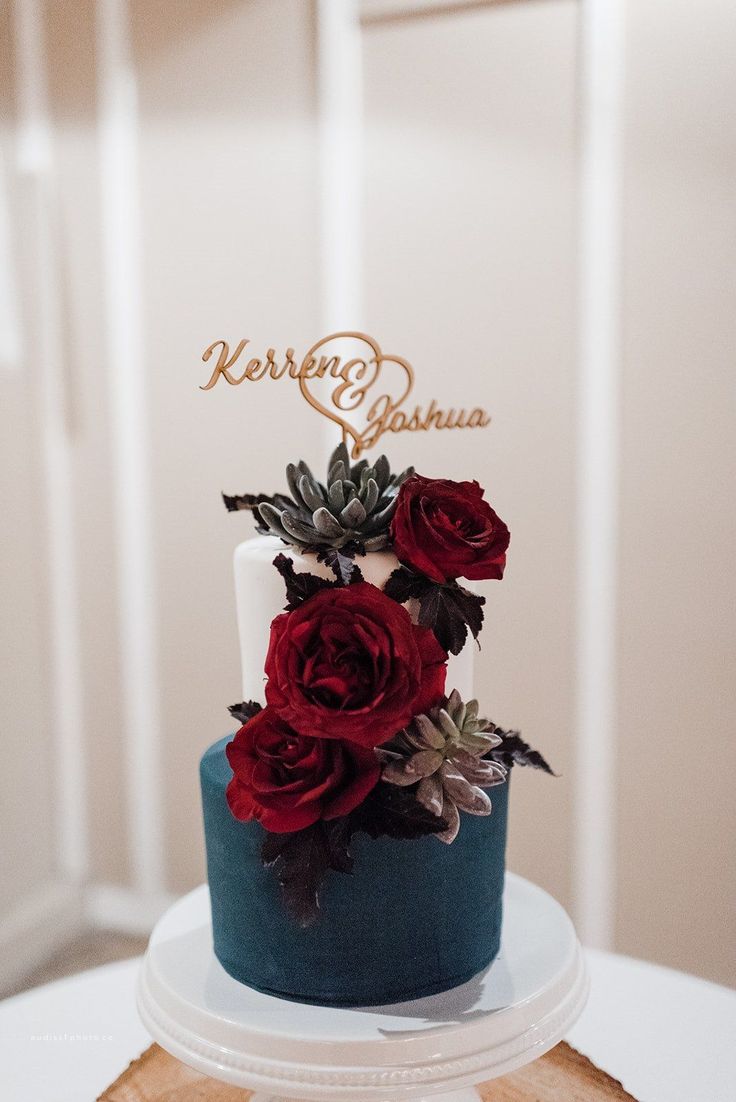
[(349, 663), (288, 781), (446, 530)]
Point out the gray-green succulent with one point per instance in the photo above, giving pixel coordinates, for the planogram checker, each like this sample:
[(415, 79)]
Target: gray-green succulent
[(443, 753), (353, 507)]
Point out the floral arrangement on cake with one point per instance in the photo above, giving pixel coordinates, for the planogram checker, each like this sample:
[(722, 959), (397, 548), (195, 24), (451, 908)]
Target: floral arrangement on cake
[(359, 731)]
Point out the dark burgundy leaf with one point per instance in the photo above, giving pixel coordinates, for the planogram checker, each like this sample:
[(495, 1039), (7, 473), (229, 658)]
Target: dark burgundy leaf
[(342, 564), (301, 860), (514, 751), (338, 835), (403, 585), (395, 812), (449, 610), (238, 502), (245, 710), (438, 611), (470, 607), (300, 585), (274, 845)]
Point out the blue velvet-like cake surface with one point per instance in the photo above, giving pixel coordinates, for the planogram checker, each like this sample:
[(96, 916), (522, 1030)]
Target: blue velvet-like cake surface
[(414, 918)]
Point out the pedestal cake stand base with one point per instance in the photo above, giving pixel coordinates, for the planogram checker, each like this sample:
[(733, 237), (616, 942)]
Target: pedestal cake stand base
[(436, 1048)]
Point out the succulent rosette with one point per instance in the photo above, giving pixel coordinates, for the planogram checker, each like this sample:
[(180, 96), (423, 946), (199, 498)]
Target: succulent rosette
[(349, 512), (446, 530), (445, 755), (288, 781), (350, 664)]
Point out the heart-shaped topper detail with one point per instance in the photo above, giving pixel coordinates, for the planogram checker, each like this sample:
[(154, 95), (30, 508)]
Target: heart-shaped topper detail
[(344, 369)]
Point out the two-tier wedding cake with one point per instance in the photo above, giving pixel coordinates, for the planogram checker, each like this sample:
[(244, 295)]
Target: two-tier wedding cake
[(356, 822)]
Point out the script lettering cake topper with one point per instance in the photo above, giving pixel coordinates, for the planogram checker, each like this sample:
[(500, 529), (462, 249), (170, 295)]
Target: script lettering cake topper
[(338, 384)]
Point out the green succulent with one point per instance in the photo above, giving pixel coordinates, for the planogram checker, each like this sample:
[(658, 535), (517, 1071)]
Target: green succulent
[(352, 509), (443, 754)]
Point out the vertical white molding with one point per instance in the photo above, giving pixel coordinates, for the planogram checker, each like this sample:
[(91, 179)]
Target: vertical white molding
[(340, 107), (9, 317), (125, 363), (35, 163), (602, 53)]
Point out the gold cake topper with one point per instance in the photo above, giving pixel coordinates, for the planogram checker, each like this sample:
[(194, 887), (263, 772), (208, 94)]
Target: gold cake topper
[(337, 385)]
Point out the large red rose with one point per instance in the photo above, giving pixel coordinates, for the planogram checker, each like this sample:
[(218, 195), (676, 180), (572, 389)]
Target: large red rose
[(288, 781), (446, 530), (349, 663)]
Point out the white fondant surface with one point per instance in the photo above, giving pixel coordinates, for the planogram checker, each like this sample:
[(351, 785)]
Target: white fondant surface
[(260, 597)]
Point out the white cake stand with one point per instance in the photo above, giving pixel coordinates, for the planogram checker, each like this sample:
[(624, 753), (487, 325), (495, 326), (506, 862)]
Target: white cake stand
[(435, 1048)]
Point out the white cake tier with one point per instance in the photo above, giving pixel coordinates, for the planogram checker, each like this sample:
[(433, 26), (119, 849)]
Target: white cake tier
[(260, 597)]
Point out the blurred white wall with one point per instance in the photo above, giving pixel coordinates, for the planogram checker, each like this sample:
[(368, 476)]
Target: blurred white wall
[(172, 193)]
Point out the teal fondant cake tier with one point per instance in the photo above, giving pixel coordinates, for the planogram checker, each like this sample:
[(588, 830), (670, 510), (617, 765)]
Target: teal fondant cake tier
[(414, 918)]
